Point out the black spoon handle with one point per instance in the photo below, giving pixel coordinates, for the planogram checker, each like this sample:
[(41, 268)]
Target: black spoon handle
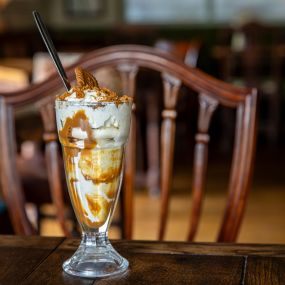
[(51, 49)]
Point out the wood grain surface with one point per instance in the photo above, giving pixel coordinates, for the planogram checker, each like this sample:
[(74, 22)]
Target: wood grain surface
[(38, 260), (19, 256)]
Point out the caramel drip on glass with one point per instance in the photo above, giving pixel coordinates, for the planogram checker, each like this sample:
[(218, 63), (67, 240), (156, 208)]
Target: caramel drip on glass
[(76, 200), (98, 206), (92, 168), (79, 120)]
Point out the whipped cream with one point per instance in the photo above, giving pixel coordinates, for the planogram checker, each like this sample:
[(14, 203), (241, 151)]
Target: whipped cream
[(110, 123), (94, 95)]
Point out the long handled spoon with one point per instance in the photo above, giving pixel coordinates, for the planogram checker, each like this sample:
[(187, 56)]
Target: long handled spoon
[(51, 49)]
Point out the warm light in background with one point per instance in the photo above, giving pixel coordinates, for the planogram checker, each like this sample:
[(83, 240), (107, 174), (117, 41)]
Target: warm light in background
[(3, 3), (12, 79)]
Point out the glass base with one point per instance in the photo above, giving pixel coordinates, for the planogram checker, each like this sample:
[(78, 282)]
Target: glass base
[(95, 258)]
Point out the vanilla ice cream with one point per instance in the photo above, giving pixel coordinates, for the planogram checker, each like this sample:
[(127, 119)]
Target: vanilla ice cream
[(93, 126)]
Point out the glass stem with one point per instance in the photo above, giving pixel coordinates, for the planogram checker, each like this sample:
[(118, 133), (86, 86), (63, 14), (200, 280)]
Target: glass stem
[(94, 239)]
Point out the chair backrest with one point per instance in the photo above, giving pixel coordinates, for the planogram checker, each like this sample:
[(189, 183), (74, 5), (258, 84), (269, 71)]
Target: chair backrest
[(184, 50), (127, 59)]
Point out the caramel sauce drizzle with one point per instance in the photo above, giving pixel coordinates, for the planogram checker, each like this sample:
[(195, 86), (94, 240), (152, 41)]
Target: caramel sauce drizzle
[(97, 204), (79, 120), (91, 168), (99, 207), (79, 209), (112, 189)]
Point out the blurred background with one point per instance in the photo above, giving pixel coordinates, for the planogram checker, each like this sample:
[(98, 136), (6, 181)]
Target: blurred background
[(242, 42)]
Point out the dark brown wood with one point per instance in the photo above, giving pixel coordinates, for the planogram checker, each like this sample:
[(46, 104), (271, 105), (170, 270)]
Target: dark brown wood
[(38, 260), (171, 87), (241, 169), (50, 270), (202, 248), (127, 59), (10, 183), (19, 256), (207, 107), (152, 143), (148, 268), (54, 171), (262, 270), (128, 74), (142, 56)]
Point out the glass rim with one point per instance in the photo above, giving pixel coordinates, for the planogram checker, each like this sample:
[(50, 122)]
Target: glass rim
[(94, 103)]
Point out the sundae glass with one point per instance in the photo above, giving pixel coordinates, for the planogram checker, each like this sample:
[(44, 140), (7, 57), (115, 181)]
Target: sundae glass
[(93, 125)]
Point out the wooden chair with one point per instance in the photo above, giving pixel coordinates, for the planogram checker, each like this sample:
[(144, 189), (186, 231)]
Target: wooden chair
[(127, 59)]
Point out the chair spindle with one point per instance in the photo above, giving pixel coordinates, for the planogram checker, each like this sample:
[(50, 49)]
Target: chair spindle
[(53, 161), (128, 74), (11, 187), (171, 86), (241, 169), (207, 107)]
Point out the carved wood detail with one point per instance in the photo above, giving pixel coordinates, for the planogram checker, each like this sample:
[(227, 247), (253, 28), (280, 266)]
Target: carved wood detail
[(171, 87), (207, 107)]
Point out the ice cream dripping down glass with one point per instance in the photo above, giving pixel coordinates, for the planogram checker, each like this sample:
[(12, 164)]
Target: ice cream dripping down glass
[(93, 126)]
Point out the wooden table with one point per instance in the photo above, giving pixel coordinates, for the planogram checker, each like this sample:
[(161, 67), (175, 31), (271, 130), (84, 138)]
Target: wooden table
[(37, 260)]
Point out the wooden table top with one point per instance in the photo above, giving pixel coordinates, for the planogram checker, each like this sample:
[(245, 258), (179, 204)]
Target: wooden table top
[(38, 260)]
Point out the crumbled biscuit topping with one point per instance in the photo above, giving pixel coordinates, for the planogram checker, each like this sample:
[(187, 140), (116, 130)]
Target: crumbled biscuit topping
[(87, 89)]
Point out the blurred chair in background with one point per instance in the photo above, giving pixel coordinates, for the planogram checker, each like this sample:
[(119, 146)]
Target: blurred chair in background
[(127, 60), (250, 60)]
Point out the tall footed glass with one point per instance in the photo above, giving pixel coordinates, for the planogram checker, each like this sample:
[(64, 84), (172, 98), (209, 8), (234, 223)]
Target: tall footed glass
[(93, 136)]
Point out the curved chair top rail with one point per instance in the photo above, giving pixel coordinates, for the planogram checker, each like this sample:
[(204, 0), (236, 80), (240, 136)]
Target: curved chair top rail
[(142, 56)]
